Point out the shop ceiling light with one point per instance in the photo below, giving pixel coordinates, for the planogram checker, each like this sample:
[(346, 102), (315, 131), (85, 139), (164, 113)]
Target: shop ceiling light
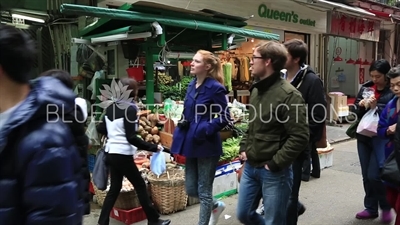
[(350, 61), (79, 41), (121, 37), (358, 61), (366, 62), (18, 16), (336, 59)]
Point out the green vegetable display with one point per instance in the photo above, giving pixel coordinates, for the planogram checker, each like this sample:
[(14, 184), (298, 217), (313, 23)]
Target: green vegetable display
[(230, 149), (176, 91)]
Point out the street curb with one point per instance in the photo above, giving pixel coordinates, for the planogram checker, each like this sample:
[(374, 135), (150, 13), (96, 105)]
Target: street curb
[(334, 142)]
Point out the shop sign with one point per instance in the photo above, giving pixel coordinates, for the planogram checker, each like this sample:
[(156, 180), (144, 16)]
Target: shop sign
[(354, 27), (361, 72), (284, 16)]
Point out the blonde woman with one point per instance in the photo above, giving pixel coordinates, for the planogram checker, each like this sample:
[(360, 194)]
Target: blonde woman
[(197, 134)]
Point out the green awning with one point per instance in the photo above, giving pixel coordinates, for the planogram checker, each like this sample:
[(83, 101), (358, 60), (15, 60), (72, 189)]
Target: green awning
[(118, 14)]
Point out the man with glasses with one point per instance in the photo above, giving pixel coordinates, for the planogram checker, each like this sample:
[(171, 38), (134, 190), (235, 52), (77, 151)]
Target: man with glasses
[(277, 134)]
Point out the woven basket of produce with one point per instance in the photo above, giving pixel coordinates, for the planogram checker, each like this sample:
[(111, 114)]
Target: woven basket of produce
[(192, 201), (100, 195), (127, 198), (168, 191)]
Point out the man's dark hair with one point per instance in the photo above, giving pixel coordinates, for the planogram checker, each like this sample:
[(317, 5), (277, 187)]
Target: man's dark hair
[(17, 54), (61, 75), (381, 65), (297, 49), (394, 72)]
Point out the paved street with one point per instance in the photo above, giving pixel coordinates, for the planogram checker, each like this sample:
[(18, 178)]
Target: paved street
[(331, 200)]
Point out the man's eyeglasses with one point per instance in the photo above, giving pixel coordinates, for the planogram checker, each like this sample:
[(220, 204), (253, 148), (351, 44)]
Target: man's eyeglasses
[(256, 57)]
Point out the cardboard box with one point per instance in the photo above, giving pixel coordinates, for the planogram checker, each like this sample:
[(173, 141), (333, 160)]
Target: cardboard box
[(225, 182), (338, 107)]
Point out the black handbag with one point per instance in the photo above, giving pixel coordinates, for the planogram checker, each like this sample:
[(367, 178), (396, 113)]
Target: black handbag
[(352, 130), (390, 172)]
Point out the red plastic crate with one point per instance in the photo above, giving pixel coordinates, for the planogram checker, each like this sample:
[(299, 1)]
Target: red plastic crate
[(180, 159), (91, 189), (128, 217)]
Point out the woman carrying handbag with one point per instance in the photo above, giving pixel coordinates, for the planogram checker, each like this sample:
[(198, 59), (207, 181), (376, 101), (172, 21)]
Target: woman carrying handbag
[(373, 95)]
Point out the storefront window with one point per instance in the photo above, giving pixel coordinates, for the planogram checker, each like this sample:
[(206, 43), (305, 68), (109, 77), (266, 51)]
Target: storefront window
[(348, 64)]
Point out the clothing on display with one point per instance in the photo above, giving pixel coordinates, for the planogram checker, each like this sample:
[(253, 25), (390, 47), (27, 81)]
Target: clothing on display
[(240, 66), (92, 86)]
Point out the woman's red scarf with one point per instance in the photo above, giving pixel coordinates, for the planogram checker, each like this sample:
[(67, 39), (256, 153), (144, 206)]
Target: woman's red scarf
[(377, 94)]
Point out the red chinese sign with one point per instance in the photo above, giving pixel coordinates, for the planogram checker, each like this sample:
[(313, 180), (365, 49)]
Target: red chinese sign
[(354, 27), (361, 72)]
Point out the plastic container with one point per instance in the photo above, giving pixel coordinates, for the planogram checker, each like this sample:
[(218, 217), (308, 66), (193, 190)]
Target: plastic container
[(128, 217), (91, 161)]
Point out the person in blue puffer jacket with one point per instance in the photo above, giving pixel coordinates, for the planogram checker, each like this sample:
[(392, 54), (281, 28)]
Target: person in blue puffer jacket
[(40, 166)]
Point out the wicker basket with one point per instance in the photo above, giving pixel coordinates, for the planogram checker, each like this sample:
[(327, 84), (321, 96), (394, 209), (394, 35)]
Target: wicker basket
[(168, 191), (127, 200), (192, 201), (100, 195)]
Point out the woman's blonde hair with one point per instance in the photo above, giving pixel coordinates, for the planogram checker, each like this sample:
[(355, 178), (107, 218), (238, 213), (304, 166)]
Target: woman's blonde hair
[(215, 70)]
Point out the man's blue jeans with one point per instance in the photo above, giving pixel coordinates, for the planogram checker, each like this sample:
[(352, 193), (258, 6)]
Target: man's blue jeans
[(274, 188)]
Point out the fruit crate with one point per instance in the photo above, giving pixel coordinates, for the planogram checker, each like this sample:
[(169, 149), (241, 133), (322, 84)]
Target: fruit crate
[(129, 216)]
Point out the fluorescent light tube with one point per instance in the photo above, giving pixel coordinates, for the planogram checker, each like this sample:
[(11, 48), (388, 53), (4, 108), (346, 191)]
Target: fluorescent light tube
[(121, 37), (180, 55), (28, 18), (79, 41)]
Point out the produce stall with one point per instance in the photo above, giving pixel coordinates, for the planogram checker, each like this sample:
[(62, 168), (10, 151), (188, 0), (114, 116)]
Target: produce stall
[(158, 46), (167, 191)]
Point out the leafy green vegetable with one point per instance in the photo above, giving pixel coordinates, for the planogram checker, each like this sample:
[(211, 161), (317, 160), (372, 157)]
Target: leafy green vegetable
[(230, 149), (177, 91)]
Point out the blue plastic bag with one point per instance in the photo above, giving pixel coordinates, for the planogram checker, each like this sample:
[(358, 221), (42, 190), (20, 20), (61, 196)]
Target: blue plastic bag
[(157, 163)]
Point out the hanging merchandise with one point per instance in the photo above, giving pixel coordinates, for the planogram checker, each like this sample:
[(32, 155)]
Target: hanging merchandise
[(136, 71), (338, 52), (341, 77), (335, 82), (350, 61), (227, 68)]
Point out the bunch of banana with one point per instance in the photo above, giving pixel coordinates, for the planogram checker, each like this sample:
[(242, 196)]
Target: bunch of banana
[(164, 78)]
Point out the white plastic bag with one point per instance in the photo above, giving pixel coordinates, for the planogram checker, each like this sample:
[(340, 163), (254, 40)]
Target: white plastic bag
[(369, 124), (92, 134), (368, 93), (157, 163)]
